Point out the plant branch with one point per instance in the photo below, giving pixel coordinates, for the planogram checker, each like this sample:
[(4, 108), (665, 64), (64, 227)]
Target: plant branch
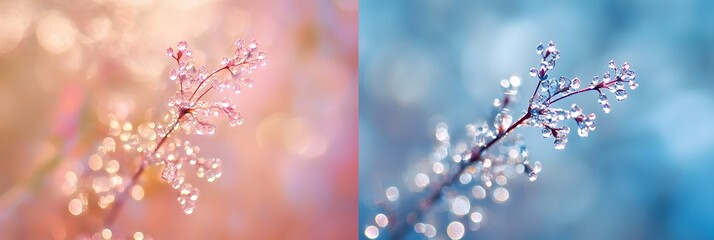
[(122, 197), (435, 195)]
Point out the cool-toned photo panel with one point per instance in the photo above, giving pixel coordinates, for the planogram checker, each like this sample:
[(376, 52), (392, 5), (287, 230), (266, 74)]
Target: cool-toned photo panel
[(536, 120)]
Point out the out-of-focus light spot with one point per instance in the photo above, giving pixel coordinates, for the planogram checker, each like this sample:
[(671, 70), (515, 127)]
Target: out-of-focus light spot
[(56, 33), (138, 236), (515, 81), (75, 206), (95, 162), (465, 178), (501, 180), (371, 232), (392, 194), (116, 180), (381, 220), (419, 227), (455, 230), (105, 200), (438, 167), (137, 192), (442, 132), (476, 217), (15, 17), (106, 233), (100, 184), (500, 195), (505, 83), (429, 230), (421, 180), (460, 205), (479, 192), (112, 166)]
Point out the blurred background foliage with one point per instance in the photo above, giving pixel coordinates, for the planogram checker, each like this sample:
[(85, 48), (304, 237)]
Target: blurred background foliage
[(645, 173), (65, 66)]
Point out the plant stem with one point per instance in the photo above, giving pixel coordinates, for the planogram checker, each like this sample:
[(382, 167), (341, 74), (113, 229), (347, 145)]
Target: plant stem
[(122, 197), (435, 195)]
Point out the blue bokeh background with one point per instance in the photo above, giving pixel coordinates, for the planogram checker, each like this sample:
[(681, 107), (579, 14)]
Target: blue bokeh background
[(645, 173)]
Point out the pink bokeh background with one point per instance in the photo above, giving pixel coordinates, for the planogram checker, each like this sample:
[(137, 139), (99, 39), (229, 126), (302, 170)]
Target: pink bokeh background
[(290, 171)]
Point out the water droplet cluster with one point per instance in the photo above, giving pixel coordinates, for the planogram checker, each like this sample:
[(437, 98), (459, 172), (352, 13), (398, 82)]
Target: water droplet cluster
[(465, 173), (111, 173), (546, 116)]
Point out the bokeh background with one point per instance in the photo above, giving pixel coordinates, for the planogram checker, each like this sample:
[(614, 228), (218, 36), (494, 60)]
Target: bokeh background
[(645, 173), (290, 171)]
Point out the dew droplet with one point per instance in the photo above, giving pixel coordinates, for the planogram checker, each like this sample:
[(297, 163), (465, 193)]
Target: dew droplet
[(606, 77), (611, 64), (620, 95), (606, 107), (583, 130), (575, 83), (575, 111), (540, 48), (533, 72), (181, 46), (537, 167), (596, 81), (626, 66), (546, 133), (187, 198), (532, 176), (239, 43), (169, 173), (551, 47), (559, 144), (633, 85), (602, 99)]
